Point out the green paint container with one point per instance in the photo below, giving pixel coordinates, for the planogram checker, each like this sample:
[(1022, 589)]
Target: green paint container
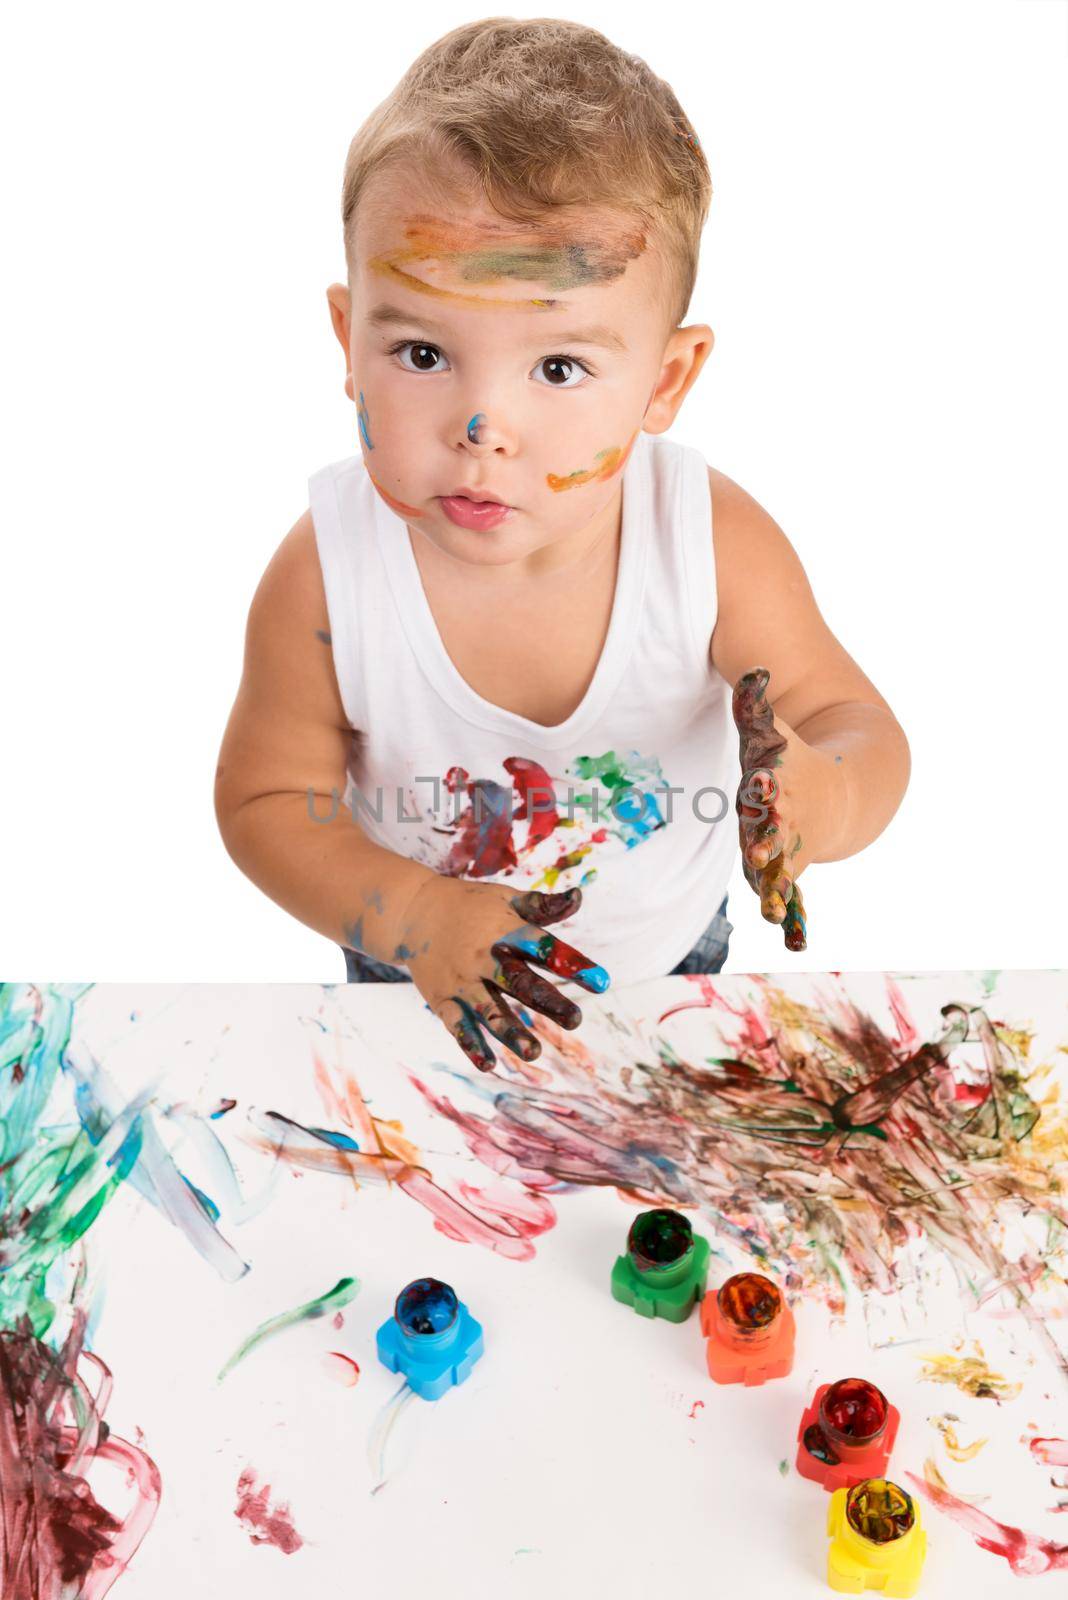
[(664, 1272)]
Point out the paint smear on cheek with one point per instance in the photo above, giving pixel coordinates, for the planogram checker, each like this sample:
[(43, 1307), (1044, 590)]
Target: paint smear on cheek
[(394, 504), (364, 422), (608, 463)]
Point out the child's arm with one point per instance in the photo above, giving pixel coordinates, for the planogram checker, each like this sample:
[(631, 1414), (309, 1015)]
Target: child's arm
[(467, 945), (844, 764), (288, 735)]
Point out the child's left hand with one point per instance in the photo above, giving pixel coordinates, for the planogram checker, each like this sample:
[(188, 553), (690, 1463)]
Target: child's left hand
[(780, 812)]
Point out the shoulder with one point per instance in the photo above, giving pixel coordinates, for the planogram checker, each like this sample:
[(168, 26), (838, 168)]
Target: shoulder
[(288, 642), (751, 550), (736, 514), (292, 581)]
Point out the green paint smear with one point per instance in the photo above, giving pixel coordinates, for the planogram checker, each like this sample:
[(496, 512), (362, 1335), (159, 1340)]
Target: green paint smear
[(342, 1294), (54, 1181)]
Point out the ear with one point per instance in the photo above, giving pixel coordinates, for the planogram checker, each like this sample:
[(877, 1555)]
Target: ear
[(685, 354), (340, 302)]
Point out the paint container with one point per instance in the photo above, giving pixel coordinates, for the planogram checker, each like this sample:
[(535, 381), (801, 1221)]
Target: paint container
[(665, 1269), (846, 1434), (877, 1541), (431, 1338), (750, 1331)]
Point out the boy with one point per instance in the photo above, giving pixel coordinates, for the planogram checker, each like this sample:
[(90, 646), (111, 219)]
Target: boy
[(519, 592)]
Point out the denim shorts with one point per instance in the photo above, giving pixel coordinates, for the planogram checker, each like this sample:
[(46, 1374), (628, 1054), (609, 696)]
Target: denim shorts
[(707, 955)]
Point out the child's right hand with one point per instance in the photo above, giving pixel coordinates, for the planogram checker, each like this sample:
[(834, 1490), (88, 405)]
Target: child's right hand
[(472, 944)]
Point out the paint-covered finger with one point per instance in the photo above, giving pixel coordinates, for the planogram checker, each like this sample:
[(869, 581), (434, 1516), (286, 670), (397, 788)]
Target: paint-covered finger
[(776, 885), (763, 841), (527, 986), (795, 928), (561, 959), (497, 1015), (535, 906), (462, 1023), (760, 742), (758, 789)]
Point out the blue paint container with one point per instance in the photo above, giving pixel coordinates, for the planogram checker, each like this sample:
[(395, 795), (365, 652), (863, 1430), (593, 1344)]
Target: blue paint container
[(431, 1338)]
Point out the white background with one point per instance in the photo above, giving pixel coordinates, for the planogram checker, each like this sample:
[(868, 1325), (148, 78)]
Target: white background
[(884, 268)]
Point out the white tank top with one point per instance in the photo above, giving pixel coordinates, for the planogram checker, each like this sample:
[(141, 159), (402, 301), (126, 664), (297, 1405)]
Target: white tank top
[(445, 777)]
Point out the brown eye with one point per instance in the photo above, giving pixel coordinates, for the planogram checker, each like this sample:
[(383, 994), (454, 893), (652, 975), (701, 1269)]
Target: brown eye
[(423, 357), (560, 370)]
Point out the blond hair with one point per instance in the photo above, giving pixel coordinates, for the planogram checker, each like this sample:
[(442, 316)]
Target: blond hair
[(544, 113)]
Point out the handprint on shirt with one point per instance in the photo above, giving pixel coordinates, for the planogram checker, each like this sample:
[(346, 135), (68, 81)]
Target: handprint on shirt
[(484, 843)]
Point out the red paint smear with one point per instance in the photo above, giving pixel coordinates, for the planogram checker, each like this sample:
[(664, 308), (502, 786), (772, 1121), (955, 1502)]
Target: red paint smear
[(264, 1523), (1028, 1554), (510, 1217), (1054, 1452), (484, 842), (339, 1320), (342, 1369), (698, 1405), (56, 1539)]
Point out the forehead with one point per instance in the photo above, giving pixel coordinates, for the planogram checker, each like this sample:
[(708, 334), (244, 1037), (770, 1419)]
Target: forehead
[(450, 244)]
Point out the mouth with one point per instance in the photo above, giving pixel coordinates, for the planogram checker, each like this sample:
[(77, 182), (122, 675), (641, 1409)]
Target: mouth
[(479, 497), (467, 510)]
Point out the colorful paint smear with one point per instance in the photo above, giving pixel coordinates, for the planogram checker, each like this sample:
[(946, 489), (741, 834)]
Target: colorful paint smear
[(1028, 1554), (363, 422), (68, 1142), (820, 1143), (342, 1294), (618, 800), (606, 464), (969, 1374), (264, 1523), (547, 252), (495, 1215), (475, 426)]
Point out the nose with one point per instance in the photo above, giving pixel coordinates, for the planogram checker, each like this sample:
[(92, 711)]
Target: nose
[(483, 435)]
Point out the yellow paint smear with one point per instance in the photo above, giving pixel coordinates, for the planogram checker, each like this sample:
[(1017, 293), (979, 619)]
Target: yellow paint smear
[(971, 1375), (954, 1449)]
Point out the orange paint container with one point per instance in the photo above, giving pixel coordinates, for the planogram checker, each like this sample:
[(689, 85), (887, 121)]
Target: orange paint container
[(749, 1329)]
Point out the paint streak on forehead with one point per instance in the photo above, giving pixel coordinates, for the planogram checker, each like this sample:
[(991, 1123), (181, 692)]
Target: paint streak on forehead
[(548, 252)]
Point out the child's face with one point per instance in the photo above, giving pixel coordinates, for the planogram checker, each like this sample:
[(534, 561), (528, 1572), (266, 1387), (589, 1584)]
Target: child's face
[(515, 361)]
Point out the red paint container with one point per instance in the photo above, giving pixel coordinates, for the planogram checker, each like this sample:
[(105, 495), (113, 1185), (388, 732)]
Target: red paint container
[(846, 1434)]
